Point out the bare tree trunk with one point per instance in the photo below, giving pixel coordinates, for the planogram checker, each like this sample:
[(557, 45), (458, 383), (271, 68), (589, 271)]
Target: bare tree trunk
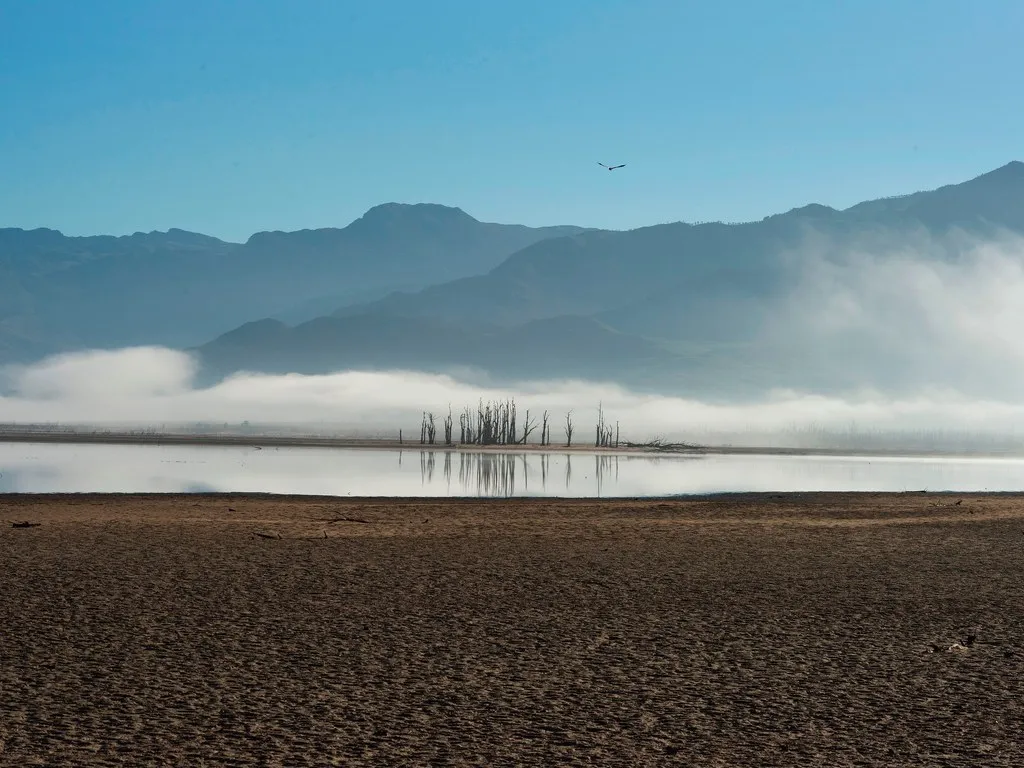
[(512, 421), (568, 429), (528, 427), (488, 425)]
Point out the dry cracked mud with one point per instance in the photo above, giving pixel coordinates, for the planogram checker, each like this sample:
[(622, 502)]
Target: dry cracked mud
[(753, 630)]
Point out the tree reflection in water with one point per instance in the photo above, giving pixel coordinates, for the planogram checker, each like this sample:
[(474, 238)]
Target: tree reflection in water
[(488, 474)]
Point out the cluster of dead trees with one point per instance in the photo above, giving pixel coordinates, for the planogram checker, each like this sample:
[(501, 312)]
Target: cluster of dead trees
[(604, 435), (496, 422), (491, 423)]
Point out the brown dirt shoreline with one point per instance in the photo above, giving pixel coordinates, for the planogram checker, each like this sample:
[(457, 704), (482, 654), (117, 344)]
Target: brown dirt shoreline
[(733, 630)]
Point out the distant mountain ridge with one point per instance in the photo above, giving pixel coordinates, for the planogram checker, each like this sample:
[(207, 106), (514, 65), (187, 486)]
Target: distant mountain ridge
[(605, 272), (694, 299), (180, 288), (679, 307)]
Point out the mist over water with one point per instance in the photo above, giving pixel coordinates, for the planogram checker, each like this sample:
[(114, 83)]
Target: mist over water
[(151, 387), (934, 316)]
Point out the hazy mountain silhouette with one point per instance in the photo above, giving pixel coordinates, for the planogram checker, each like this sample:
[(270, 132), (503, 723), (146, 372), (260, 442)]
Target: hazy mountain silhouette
[(674, 305), (692, 274), (180, 288), (59, 293)]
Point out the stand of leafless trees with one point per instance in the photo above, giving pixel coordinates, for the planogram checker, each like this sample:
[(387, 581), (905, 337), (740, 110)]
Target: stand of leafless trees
[(496, 422), (428, 430), (605, 436), (493, 423)]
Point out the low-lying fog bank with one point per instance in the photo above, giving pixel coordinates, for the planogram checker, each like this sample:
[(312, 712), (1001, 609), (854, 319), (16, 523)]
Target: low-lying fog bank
[(152, 388)]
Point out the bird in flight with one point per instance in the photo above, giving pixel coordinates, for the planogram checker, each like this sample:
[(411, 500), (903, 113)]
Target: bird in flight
[(612, 167)]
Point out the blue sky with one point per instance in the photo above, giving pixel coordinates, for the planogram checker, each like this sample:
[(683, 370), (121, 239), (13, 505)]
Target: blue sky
[(233, 116)]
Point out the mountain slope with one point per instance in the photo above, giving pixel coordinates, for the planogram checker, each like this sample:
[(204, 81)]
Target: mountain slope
[(550, 348), (593, 272), (57, 292), (179, 288)]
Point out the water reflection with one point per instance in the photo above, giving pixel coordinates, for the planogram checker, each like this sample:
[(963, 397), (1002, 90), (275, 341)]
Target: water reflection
[(493, 474), (426, 467), (489, 474), (113, 468)]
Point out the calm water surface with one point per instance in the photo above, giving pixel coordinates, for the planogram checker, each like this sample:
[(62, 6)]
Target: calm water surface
[(35, 468)]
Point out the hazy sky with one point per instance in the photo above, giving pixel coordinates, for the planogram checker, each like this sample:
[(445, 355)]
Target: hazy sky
[(231, 116)]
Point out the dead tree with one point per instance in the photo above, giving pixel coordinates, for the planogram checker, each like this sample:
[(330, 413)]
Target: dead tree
[(428, 430), (568, 429), (469, 434), (528, 427), (545, 430), (603, 432), (484, 423), (448, 427)]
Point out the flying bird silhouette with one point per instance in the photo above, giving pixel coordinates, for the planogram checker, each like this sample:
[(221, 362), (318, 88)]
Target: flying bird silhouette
[(612, 167)]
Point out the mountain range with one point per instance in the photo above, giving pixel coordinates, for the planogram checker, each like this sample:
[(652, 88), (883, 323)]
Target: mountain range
[(672, 307), (180, 288)]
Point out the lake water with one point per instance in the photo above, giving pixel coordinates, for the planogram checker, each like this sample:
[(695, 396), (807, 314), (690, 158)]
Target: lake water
[(49, 467)]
